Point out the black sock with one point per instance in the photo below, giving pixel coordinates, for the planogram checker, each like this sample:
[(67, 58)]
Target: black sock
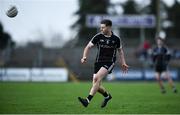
[(173, 87), (105, 94), (89, 97)]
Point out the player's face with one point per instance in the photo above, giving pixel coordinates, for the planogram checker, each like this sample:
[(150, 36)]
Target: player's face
[(104, 29), (159, 42)]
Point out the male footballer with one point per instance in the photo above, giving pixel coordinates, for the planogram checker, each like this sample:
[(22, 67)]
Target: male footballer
[(108, 44)]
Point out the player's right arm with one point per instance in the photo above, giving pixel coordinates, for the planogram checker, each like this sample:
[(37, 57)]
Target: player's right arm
[(86, 51), (93, 41)]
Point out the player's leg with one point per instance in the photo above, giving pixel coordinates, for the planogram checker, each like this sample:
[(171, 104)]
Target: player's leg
[(97, 80), (160, 82), (87, 100), (102, 91), (170, 81), (96, 84), (107, 96)]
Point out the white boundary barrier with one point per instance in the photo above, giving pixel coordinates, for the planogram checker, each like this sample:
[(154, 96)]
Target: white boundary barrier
[(34, 74)]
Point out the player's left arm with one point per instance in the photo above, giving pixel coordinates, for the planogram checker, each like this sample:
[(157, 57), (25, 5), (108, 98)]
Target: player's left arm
[(122, 60), (168, 55)]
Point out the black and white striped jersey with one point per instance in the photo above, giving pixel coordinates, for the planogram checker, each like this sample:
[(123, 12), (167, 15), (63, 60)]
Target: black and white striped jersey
[(107, 47)]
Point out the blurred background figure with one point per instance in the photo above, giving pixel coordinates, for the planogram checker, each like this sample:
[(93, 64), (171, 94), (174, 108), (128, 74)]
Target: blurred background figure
[(142, 51), (161, 57)]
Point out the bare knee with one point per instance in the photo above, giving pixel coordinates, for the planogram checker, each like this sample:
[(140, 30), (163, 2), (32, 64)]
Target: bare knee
[(96, 80), (158, 76), (158, 79)]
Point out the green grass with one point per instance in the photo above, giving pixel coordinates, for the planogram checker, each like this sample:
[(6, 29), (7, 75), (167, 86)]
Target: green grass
[(61, 98)]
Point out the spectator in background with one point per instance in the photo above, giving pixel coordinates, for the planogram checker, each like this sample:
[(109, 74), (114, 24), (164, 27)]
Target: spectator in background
[(161, 57), (142, 51), (146, 47)]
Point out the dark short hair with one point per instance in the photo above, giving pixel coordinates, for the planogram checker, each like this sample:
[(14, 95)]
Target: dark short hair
[(107, 22), (160, 38)]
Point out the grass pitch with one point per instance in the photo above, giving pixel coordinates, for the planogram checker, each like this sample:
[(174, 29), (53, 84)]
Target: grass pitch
[(61, 98)]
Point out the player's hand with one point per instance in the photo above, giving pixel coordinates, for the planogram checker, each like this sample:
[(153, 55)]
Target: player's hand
[(83, 60), (125, 68)]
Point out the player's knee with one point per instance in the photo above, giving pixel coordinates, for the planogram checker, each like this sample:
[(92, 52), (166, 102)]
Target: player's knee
[(96, 79), (169, 78), (158, 78)]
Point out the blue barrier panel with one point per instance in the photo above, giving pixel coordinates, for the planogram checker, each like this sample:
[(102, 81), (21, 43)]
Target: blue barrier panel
[(138, 74)]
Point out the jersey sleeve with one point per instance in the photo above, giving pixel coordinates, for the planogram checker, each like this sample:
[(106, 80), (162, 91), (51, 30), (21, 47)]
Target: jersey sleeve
[(119, 43), (154, 54), (168, 55), (95, 39)]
